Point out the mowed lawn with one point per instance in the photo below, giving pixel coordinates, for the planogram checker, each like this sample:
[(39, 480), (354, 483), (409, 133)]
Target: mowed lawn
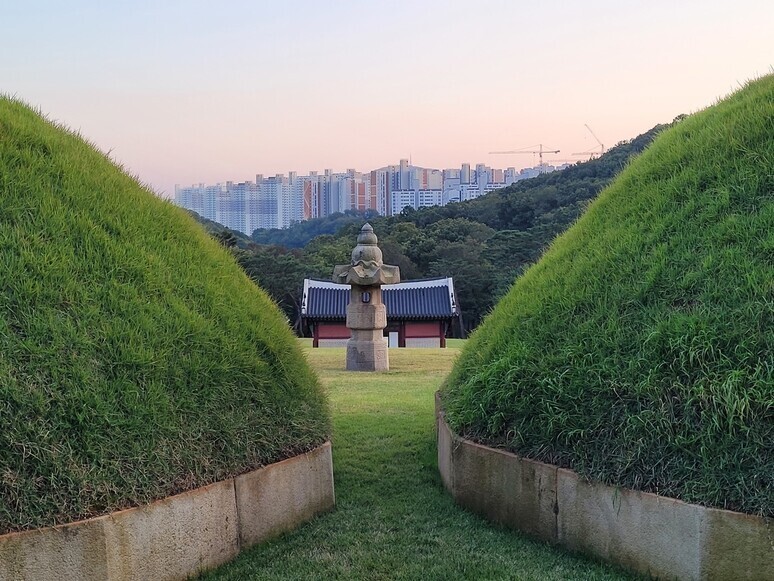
[(393, 519)]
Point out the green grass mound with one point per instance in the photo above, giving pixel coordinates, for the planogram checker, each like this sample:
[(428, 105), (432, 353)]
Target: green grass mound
[(639, 351), (136, 359)]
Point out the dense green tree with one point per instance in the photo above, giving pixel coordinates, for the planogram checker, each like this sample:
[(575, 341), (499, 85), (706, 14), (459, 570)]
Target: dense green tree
[(301, 232), (393, 254), (474, 278), (278, 272)]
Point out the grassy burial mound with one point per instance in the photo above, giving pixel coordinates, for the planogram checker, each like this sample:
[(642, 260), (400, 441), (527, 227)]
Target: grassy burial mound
[(640, 350), (136, 359)]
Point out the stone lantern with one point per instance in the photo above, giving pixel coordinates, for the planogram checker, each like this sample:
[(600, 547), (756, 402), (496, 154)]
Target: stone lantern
[(366, 313)]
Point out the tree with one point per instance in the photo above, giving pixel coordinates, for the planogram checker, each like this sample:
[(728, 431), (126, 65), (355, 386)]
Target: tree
[(278, 272)]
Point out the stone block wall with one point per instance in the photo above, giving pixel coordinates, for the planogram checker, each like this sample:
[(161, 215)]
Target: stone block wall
[(180, 536), (646, 533)]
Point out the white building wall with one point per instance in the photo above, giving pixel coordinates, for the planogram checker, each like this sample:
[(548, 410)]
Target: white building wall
[(400, 199), (416, 199), (435, 180)]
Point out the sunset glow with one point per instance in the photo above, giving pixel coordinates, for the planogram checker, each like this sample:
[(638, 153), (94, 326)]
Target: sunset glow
[(188, 92)]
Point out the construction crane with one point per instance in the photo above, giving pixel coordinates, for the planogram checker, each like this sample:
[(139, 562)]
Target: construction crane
[(591, 153), (539, 151)]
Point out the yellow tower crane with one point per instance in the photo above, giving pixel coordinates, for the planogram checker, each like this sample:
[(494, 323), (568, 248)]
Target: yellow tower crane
[(540, 151), (592, 153)]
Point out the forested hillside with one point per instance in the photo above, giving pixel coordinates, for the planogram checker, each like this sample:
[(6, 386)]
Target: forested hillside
[(484, 243)]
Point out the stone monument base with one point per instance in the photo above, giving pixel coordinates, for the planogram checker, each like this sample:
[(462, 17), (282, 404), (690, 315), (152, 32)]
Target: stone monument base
[(367, 355)]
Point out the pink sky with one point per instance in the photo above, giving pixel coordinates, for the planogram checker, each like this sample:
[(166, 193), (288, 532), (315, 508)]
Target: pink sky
[(190, 92)]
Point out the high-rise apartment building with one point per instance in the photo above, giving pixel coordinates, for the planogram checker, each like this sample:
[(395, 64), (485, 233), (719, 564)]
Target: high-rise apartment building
[(279, 201)]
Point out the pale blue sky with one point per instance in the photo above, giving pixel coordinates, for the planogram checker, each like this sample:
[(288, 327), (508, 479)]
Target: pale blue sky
[(185, 92)]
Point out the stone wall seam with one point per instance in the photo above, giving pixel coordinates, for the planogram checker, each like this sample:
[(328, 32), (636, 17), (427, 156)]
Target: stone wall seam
[(238, 513), (557, 508)]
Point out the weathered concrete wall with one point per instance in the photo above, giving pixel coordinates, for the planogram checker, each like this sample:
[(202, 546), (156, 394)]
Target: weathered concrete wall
[(73, 551), (644, 532), (491, 484), (282, 496), (445, 452), (174, 537), (737, 546), (179, 536)]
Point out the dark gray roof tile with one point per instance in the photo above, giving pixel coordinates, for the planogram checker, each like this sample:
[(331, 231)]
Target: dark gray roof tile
[(403, 301)]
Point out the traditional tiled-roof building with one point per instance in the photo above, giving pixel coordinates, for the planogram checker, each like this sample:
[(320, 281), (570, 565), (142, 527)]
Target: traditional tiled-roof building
[(419, 312)]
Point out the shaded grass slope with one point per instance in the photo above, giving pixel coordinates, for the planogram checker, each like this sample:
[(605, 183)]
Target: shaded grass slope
[(136, 359), (638, 351)]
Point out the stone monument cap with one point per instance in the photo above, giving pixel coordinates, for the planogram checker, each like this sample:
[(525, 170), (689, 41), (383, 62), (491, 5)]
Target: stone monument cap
[(366, 250), (366, 268)]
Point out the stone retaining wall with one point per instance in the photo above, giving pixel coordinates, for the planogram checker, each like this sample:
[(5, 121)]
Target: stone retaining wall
[(179, 536), (643, 532)]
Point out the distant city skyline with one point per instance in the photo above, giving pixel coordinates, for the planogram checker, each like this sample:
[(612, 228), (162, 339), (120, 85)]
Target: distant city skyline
[(280, 200), (531, 169), (194, 91)]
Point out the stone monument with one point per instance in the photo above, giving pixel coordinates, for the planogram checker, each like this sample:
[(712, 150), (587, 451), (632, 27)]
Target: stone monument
[(366, 314)]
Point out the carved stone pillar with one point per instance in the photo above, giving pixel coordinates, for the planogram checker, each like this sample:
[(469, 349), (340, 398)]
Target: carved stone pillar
[(366, 313)]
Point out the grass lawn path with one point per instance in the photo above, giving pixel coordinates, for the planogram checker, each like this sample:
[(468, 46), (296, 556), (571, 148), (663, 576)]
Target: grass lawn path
[(393, 519)]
